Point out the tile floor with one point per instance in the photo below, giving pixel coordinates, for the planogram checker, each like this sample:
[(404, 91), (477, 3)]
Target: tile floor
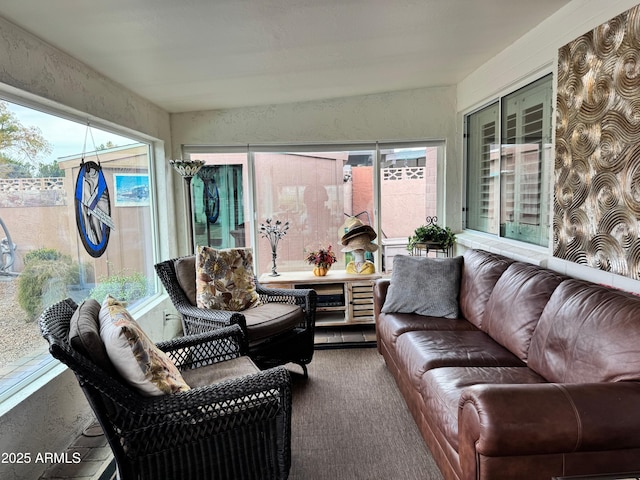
[(97, 459)]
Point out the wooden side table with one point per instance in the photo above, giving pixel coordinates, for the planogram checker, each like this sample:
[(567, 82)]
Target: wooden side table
[(343, 299)]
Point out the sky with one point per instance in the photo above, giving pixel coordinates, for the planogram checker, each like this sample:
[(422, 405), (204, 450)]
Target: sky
[(65, 137)]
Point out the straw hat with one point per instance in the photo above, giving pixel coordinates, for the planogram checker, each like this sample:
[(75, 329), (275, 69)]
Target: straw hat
[(361, 241), (355, 227), (349, 223)]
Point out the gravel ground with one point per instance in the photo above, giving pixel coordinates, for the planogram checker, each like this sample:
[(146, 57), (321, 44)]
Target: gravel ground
[(18, 336)]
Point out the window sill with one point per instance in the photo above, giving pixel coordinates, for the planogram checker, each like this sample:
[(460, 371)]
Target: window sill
[(22, 378), (21, 390), (509, 248), (544, 258)]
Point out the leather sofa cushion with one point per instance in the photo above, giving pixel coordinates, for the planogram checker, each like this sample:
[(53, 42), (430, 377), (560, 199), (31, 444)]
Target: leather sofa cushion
[(269, 319), (185, 268), (480, 272), (516, 303), (441, 389), (392, 325), (418, 352), (587, 333)]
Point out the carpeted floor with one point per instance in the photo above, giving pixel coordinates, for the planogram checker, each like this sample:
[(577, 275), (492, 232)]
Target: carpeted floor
[(351, 423)]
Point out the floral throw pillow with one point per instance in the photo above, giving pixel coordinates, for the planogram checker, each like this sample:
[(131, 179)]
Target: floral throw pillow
[(225, 279), (134, 355)]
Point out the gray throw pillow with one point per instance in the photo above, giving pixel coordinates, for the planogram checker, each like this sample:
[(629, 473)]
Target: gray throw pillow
[(186, 273), (84, 334), (426, 286)]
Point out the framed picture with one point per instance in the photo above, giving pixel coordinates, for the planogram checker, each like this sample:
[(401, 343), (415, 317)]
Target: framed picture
[(131, 190)]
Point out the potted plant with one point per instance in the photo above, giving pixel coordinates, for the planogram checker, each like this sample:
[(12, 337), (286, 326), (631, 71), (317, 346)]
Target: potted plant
[(431, 235), (321, 259)]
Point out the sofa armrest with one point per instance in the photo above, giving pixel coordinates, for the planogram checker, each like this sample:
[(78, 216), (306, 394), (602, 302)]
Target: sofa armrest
[(380, 288), (499, 420)]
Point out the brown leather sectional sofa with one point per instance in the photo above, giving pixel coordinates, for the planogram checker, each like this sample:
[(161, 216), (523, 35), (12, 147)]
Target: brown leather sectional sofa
[(539, 378)]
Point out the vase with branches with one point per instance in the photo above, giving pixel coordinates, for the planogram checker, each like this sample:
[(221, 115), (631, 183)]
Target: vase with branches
[(273, 231)]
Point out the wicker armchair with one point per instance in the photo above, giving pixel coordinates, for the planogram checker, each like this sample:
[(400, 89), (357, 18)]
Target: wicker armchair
[(239, 428), (294, 345)]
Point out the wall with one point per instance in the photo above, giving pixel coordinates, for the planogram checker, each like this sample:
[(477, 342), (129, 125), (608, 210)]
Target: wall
[(53, 411), (51, 77), (419, 114), (525, 60)]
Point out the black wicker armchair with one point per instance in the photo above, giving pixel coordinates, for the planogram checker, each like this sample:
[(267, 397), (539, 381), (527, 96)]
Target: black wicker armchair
[(294, 345), (239, 428)]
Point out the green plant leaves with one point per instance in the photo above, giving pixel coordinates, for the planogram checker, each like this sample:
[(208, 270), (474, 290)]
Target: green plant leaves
[(432, 233)]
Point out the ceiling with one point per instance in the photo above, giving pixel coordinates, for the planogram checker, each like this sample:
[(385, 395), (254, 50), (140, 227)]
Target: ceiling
[(188, 55)]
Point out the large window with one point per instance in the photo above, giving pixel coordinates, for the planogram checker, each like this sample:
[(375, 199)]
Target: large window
[(408, 193), (509, 162), (314, 189), (221, 208), (44, 259), (311, 189), (306, 189)]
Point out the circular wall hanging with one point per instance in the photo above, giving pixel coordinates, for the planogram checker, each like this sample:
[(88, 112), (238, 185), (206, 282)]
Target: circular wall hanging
[(93, 209), (212, 200)]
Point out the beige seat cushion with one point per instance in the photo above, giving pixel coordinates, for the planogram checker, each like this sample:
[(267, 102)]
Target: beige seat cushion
[(219, 372), (270, 319)]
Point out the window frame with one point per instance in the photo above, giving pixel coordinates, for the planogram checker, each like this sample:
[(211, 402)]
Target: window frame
[(498, 102), (375, 146), (47, 367)]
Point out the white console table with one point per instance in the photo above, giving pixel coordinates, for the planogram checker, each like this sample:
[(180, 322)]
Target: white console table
[(343, 299)]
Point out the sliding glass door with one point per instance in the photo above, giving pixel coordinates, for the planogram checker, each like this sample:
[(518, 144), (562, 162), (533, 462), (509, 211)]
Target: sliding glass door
[(315, 189), (408, 194), (219, 205)]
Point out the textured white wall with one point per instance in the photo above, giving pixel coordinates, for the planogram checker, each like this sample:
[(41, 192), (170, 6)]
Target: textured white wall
[(45, 421), (38, 69), (409, 114)]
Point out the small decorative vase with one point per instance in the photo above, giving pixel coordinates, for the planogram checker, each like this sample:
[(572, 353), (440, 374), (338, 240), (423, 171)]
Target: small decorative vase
[(274, 255), (320, 271)]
